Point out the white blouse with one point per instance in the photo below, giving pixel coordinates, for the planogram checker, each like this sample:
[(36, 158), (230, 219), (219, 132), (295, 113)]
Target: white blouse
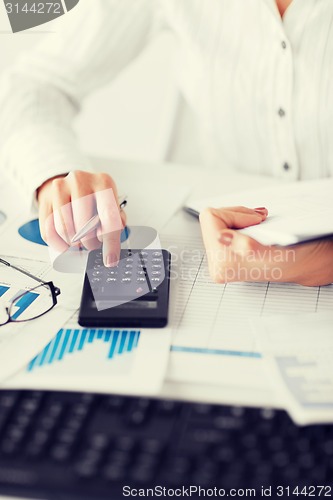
[(258, 86)]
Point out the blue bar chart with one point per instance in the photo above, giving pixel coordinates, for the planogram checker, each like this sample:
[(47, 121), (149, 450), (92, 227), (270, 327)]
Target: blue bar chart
[(23, 303), (72, 341), (3, 290)]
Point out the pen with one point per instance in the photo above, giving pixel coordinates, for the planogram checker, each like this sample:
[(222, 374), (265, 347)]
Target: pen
[(191, 211), (93, 223)]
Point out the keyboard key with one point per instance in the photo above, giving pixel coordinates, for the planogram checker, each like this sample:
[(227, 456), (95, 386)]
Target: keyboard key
[(60, 453), (125, 443), (114, 473)]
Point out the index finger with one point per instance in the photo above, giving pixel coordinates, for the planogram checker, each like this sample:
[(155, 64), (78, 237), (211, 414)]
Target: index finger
[(111, 225)]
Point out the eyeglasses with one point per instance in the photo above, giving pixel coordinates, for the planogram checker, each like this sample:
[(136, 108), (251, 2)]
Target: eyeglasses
[(30, 303)]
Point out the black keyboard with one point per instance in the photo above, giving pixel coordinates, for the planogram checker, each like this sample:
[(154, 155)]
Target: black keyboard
[(56, 445)]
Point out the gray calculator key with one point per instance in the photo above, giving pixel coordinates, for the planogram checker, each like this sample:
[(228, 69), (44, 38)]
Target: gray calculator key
[(126, 280)]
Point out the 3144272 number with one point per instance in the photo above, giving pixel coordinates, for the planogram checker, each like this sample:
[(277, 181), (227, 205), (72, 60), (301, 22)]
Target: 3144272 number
[(35, 8)]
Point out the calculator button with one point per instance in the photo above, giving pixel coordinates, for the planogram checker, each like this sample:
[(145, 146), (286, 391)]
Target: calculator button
[(156, 273), (112, 273), (128, 273), (141, 273), (128, 266), (97, 266), (144, 254), (111, 279), (95, 280), (98, 261), (156, 260), (126, 280), (156, 266), (155, 279), (140, 279), (157, 254), (97, 273), (129, 260)]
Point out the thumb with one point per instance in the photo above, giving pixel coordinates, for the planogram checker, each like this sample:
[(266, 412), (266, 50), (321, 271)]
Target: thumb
[(239, 217)]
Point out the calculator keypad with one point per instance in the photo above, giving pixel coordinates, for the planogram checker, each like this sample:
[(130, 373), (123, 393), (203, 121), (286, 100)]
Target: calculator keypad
[(137, 275)]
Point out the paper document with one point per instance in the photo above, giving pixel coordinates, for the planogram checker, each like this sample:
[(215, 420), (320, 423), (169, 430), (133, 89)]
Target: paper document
[(212, 341), (298, 354), (19, 342), (298, 211), (126, 361)]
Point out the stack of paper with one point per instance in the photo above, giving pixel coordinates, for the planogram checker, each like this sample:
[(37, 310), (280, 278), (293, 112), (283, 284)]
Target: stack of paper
[(298, 211), (298, 352)]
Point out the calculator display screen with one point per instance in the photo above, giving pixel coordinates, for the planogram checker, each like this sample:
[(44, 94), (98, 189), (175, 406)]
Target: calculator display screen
[(133, 304)]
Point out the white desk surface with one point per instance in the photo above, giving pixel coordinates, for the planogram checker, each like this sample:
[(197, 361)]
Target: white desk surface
[(202, 183)]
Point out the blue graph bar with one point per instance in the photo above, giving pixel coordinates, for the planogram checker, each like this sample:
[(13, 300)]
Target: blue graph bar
[(113, 343), (70, 341), (82, 340), (122, 341), (65, 344), (216, 352), (3, 290), (91, 336), (75, 336), (24, 302), (131, 341)]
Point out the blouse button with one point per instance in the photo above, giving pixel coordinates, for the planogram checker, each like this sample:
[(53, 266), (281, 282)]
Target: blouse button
[(286, 166), (283, 44)]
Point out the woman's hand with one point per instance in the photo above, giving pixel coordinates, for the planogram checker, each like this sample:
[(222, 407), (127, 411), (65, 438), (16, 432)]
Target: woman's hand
[(233, 256), (66, 203)]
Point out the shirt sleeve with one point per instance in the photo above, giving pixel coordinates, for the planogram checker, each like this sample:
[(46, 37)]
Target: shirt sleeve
[(41, 94)]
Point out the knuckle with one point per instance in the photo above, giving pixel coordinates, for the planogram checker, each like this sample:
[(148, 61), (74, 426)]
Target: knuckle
[(78, 175), (105, 179), (58, 184)]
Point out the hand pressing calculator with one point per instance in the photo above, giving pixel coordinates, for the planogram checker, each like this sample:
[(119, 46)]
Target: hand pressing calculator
[(133, 294)]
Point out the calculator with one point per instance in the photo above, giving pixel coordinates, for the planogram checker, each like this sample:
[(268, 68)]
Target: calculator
[(135, 293)]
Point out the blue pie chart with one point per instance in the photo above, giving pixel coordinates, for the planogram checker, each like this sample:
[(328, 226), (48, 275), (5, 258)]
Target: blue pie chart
[(30, 232)]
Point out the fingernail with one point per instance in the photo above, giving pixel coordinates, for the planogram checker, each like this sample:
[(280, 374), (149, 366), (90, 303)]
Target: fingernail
[(111, 260), (261, 210), (226, 238)]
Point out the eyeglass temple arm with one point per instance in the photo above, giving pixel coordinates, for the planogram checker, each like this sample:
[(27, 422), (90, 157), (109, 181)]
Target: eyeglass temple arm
[(8, 264)]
